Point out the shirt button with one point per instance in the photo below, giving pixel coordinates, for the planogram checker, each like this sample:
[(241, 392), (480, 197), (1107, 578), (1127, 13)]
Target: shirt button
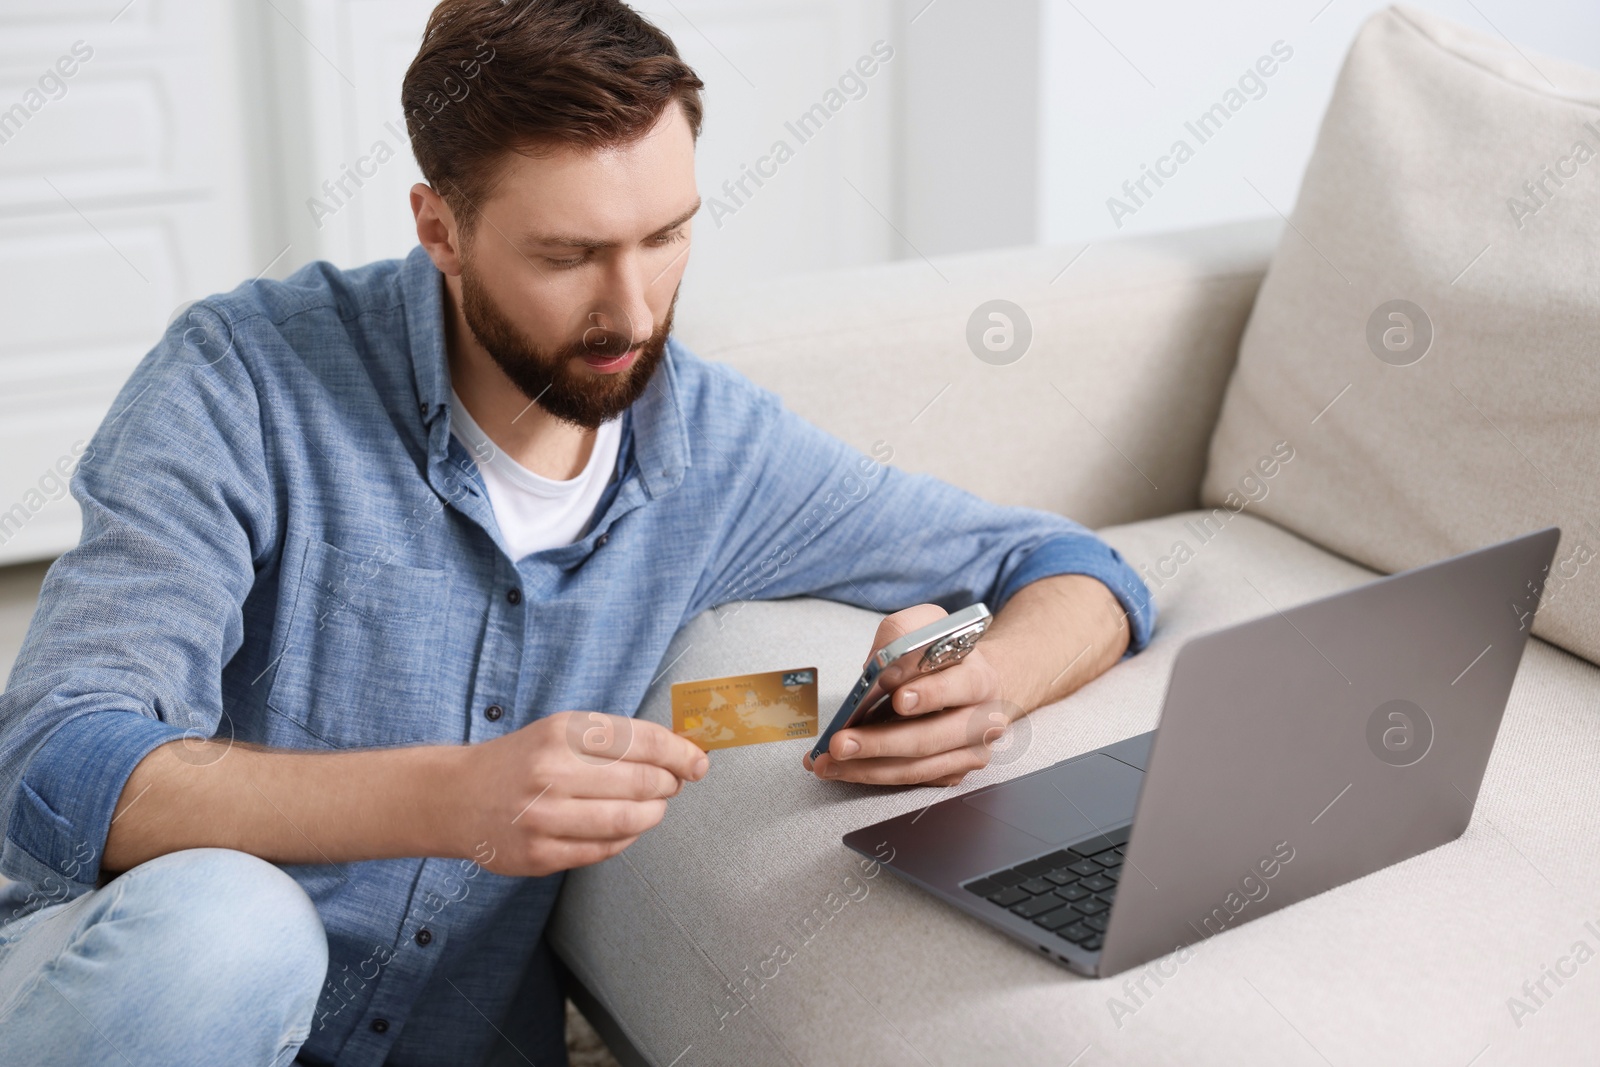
[(600, 542), (422, 408), (493, 712), (424, 936), (380, 1026), (514, 595)]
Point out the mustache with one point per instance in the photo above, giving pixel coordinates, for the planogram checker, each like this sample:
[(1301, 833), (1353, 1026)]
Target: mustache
[(599, 341), (608, 343)]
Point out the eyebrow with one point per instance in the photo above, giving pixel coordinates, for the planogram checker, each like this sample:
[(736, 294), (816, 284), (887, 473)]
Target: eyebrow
[(559, 240)]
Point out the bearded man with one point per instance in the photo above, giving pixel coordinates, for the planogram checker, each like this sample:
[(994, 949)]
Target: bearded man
[(303, 734)]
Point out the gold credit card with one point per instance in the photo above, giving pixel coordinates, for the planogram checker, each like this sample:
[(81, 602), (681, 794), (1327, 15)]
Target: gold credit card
[(746, 709)]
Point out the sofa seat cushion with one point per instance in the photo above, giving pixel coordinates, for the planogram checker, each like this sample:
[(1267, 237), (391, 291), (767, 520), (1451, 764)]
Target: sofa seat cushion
[(742, 930), (1425, 335)]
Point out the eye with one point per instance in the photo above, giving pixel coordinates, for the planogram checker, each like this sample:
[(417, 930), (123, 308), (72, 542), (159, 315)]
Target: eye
[(568, 264), (661, 240)]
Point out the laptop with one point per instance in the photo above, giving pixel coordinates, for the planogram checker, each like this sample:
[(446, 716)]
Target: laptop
[(1294, 753)]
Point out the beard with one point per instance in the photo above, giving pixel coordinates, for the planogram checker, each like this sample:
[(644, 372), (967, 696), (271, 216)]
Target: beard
[(556, 380)]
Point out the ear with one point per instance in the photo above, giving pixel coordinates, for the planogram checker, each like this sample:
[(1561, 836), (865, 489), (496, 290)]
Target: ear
[(437, 229)]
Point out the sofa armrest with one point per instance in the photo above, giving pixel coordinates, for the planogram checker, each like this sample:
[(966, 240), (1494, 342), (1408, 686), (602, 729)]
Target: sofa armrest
[(1106, 417)]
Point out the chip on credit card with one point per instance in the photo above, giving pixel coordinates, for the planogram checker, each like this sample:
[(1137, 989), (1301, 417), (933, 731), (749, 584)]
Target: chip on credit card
[(746, 709)]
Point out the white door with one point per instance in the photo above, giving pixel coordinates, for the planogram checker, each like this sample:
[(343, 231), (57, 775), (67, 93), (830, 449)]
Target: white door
[(122, 195)]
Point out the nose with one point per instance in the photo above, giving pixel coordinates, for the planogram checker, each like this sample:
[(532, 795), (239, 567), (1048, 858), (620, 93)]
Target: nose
[(621, 309)]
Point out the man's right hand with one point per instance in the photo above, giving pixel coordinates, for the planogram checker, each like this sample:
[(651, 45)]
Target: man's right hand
[(569, 790)]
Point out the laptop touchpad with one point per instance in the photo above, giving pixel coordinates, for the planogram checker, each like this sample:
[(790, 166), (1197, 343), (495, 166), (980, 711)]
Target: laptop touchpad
[(1066, 802)]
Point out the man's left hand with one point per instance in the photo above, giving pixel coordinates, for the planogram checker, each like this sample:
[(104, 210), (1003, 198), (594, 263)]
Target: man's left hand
[(945, 725)]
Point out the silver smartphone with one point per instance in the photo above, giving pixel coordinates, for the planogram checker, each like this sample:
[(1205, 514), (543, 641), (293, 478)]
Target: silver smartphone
[(934, 647)]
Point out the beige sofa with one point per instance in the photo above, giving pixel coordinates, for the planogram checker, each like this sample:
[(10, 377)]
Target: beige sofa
[(741, 931)]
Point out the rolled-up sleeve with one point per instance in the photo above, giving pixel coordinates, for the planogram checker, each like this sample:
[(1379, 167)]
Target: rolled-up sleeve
[(126, 649), (823, 519)]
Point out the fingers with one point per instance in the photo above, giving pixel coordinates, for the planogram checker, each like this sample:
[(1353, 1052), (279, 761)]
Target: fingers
[(590, 784), (938, 748), (561, 855), (925, 735), (903, 622), (972, 681), (601, 740), (657, 745), (624, 780), (945, 768), (582, 819)]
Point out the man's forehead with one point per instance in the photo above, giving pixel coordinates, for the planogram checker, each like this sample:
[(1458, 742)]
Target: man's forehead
[(613, 193)]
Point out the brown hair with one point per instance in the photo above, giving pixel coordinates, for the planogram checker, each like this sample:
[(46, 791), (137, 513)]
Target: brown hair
[(495, 76)]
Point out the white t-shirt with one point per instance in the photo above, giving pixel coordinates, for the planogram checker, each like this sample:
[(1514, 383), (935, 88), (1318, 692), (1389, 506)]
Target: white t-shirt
[(534, 512)]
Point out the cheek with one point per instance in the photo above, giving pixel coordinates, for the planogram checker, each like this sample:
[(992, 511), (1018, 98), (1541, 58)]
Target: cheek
[(671, 263), (558, 319), (546, 307)]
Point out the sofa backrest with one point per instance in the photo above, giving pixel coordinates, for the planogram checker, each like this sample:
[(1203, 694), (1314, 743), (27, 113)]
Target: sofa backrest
[(1428, 335), (1104, 417)]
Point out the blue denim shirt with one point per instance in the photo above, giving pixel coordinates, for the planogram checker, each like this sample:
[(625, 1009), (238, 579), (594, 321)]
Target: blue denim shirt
[(283, 543)]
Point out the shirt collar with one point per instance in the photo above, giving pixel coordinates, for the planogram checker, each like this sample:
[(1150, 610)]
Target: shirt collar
[(659, 426)]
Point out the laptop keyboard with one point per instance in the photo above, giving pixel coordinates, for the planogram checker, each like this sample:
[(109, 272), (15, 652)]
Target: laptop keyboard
[(1068, 892)]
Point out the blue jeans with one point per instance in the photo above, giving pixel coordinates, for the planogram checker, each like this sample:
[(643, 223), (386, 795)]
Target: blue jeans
[(204, 956)]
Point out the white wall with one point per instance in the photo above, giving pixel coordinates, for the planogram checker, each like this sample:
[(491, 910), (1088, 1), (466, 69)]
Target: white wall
[(333, 96), (180, 159), (1121, 80), (969, 124)]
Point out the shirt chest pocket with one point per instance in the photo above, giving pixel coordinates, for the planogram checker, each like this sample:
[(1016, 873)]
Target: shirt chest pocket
[(358, 665)]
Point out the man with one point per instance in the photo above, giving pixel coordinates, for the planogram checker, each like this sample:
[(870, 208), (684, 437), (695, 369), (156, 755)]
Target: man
[(377, 563)]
